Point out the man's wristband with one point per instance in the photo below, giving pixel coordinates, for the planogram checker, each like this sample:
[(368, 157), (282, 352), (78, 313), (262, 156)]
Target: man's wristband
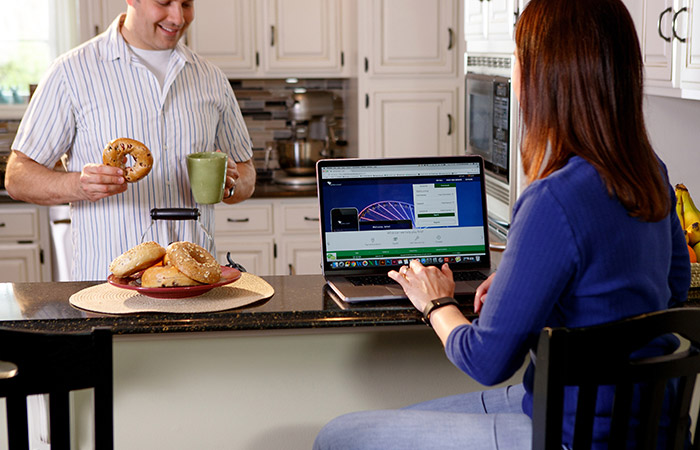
[(436, 304)]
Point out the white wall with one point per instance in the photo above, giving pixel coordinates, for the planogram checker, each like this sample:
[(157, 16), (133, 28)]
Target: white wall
[(674, 130)]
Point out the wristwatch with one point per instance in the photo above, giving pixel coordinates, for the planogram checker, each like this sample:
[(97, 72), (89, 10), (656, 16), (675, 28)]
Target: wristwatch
[(435, 304)]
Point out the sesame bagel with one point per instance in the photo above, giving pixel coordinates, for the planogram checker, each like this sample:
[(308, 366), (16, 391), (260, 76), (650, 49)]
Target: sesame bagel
[(137, 258), (194, 261)]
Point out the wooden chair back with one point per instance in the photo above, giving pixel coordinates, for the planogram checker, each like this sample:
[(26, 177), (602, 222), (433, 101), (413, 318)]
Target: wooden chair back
[(595, 356), (56, 363)]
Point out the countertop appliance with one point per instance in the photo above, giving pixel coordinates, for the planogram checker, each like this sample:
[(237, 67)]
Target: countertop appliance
[(493, 132), (311, 119)]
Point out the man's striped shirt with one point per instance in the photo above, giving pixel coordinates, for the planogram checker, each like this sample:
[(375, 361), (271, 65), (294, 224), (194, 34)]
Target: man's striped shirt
[(101, 91)]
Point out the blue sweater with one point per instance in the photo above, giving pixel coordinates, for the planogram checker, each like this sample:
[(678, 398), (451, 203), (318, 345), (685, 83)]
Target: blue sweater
[(574, 258)]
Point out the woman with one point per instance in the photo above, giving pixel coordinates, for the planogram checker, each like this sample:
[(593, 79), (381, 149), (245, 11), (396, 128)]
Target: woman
[(593, 237)]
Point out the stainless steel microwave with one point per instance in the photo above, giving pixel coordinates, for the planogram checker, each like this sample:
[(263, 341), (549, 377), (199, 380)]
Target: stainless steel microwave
[(492, 131)]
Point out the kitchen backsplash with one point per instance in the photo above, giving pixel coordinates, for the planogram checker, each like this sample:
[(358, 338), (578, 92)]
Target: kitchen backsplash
[(264, 107), (8, 129)]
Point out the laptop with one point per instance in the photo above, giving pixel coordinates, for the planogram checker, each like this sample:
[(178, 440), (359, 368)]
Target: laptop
[(378, 214)]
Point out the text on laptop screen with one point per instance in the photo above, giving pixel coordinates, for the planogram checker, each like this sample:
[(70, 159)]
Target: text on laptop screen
[(379, 215)]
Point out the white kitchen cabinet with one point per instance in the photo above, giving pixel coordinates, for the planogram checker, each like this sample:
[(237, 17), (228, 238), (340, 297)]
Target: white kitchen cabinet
[(224, 33), (690, 67), (302, 36), (25, 251), (258, 38), (670, 46), (411, 77), (275, 38), (415, 37), (97, 15), (490, 19), (270, 236), (412, 123), (299, 242)]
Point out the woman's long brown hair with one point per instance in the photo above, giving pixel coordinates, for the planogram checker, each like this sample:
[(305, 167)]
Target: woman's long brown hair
[(581, 94)]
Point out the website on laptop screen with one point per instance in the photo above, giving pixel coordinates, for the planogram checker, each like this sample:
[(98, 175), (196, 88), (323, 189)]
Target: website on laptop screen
[(379, 215)]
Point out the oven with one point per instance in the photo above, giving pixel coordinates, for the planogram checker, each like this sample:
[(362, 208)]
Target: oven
[(492, 131)]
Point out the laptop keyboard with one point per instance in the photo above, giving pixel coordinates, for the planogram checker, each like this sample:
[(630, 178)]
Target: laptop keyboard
[(469, 276), (372, 280), (382, 280)]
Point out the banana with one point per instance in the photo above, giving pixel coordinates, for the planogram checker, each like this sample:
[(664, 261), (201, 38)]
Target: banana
[(693, 233), (679, 204), (690, 212)]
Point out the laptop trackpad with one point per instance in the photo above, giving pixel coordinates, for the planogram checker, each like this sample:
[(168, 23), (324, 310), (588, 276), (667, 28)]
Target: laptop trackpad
[(396, 290)]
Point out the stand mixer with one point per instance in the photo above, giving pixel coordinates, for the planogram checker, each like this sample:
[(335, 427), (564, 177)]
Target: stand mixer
[(311, 120)]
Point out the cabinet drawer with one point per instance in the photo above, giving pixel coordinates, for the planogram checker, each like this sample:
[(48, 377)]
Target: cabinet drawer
[(244, 219), (19, 225), (300, 218)]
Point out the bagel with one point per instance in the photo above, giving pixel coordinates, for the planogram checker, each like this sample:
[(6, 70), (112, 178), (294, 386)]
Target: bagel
[(194, 261), (115, 152), (137, 258), (165, 276)]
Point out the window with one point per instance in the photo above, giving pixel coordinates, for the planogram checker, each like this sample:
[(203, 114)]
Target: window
[(32, 34)]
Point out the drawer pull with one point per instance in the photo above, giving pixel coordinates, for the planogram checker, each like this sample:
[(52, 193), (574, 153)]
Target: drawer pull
[(2, 225), (311, 219), (230, 220)]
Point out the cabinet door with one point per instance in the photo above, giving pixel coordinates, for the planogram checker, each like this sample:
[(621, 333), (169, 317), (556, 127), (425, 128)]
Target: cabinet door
[(19, 263), (690, 68), (501, 19), (413, 37), (300, 256), (255, 254), (656, 37), (224, 33), (475, 20), (412, 124), (301, 36)]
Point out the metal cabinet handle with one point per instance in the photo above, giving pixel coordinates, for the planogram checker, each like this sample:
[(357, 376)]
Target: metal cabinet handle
[(272, 35), (366, 64), (366, 100), (230, 220), (451, 33), (311, 219), (8, 370), (2, 225), (449, 124), (673, 23), (658, 25), (291, 269)]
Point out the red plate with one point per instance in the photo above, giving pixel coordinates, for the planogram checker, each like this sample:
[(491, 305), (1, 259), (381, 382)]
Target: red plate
[(228, 275)]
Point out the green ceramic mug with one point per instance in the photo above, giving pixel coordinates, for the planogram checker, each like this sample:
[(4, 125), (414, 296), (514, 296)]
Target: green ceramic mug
[(207, 172)]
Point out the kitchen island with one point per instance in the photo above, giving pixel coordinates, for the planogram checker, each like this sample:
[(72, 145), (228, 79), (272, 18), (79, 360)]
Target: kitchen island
[(264, 376)]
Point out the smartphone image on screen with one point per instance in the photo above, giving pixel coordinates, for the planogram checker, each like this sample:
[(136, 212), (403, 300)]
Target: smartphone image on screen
[(344, 219)]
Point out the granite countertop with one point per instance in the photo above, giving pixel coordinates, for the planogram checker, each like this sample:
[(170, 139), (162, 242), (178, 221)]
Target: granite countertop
[(270, 189), (300, 302)]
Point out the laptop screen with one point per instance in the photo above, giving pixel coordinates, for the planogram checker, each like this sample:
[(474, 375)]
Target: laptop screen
[(381, 213)]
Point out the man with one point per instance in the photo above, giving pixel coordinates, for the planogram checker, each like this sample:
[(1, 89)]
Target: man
[(135, 80)]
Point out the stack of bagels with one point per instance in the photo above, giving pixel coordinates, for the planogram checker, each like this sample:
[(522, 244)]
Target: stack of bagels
[(180, 264)]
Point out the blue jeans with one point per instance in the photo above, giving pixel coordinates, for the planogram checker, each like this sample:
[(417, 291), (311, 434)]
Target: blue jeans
[(491, 419)]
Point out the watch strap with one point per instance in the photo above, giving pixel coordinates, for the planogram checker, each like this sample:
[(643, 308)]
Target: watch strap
[(436, 304)]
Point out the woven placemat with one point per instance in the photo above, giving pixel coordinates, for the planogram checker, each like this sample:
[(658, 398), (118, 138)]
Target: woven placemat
[(108, 299)]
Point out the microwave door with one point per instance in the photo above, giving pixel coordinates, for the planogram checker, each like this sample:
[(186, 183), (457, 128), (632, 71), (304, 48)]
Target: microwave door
[(480, 115)]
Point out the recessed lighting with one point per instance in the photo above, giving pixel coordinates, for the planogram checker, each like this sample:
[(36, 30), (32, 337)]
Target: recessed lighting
[(291, 80), (299, 90)]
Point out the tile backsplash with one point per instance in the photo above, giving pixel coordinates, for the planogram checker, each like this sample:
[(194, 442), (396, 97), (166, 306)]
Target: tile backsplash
[(263, 103)]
